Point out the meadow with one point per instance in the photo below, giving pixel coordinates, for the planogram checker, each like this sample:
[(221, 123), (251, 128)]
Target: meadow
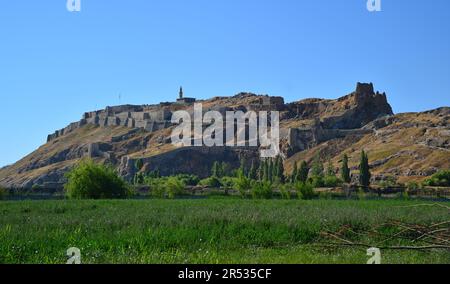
[(211, 230)]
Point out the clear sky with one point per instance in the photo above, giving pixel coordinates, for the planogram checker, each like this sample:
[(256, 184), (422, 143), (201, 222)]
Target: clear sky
[(55, 65)]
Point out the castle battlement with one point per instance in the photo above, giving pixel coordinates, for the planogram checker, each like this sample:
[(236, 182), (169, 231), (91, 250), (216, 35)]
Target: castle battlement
[(364, 88)]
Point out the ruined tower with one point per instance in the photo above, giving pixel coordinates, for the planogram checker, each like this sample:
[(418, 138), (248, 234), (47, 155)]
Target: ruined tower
[(364, 88), (183, 100), (181, 93)]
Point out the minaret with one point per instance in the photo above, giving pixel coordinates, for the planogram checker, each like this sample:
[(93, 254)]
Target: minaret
[(181, 93)]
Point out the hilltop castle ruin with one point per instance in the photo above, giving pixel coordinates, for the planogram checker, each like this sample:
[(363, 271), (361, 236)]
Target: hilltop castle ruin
[(327, 119)]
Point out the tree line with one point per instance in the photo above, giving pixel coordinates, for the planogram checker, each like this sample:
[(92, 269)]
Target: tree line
[(259, 180)]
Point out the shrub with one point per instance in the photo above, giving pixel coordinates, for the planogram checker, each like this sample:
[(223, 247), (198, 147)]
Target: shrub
[(138, 178), (228, 182), (441, 178), (174, 186), (261, 190), (332, 181), (316, 182), (211, 182), (88, 180), (302, 174), (243, 184), (285, 191), (304, 190), (157, 187), (191, 180), (166, 187)]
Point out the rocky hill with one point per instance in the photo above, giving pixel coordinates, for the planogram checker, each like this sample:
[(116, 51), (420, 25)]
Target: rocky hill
[(406, 146)]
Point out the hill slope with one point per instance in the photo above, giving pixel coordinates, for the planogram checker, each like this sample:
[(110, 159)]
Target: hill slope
[(407, 146)]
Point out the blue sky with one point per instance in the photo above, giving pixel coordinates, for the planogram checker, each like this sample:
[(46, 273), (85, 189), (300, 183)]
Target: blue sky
[(55, 65)]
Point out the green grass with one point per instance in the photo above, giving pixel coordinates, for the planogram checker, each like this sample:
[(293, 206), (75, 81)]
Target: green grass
[(201, 231)]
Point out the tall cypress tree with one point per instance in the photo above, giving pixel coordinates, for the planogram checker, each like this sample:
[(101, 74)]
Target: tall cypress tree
[(253, 172), (270, 171), (276, 168), (330, 169), (261, 170), (215, 171), (317, 168), (345, 171), (294, 173), (224, 169), (242, 167), (303, 172), (280, 170), (364, 171), (266, 171)]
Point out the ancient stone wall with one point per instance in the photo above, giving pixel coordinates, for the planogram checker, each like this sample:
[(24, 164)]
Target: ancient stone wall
[(147, 118)]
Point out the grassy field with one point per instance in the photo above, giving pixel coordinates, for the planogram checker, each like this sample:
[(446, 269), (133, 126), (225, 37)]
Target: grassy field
[(204, 231)]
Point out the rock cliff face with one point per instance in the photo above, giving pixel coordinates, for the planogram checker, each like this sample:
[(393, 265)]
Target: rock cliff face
[(404, 145)]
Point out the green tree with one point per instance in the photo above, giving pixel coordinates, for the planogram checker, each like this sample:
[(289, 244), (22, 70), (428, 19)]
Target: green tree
[(138, 178), (270, 170), (212, 182), (88, 180), (317, 168), (242, 183), (242, 166), (330, 179), (280, 170), (294, 173), (174, 186), (266, 171), (303, 172), (304, 190), (262, 190), (364, 170), (252, 174), (317, 173), (330, 169), (441, 178), (224, 169), (261, 170), (216, 170), (345, 170), (275, 172)]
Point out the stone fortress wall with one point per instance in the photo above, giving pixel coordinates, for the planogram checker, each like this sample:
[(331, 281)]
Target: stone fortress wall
[(150, 118)]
